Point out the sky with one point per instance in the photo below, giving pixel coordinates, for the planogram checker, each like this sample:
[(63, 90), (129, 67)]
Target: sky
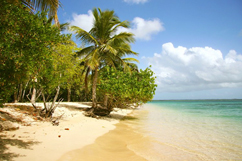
[(194, 47)]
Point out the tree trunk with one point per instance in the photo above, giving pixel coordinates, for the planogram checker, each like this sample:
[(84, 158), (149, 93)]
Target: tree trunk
[(33, 95), (103, 111), (69, 94), (25, 90), (44, 101), (56, 20), (39, 94), (56, 96), (15, 96), (86, 84), (105, 101), (51, 109), (94, 87), (100, 111), (20, 92)]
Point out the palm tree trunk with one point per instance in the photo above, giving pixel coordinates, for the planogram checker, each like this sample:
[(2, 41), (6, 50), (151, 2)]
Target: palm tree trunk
[(56, 20), (94, 87), (86, 84)]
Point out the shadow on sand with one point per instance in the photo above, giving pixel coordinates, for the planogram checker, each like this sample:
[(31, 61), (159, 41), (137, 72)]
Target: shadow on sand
[(4, 142), (76, 105)]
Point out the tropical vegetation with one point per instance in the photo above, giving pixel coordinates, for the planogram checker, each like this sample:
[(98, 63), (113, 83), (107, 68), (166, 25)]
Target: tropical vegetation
[(40, 63), (50, 6), (105, 47)]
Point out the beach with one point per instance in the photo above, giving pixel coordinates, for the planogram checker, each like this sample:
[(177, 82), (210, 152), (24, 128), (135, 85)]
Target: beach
[(201, 130), (159, 130), (43, 141), (115, 145)]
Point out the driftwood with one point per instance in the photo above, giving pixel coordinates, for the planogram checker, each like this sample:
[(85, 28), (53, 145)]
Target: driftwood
[(97, 112), (56, 121)]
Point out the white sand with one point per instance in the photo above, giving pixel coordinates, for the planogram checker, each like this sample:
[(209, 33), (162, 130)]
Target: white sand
[(49, 143)]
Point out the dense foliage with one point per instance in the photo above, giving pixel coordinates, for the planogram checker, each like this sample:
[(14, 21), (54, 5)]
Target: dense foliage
[(26, 44), (50, 6), (123, 88)]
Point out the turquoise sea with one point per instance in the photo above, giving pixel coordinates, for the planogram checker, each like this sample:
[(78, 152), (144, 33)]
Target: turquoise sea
[(188, 130)]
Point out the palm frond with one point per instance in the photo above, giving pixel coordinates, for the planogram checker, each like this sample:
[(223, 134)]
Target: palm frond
[(64, 26), (125, 50), (128, 60), (92, 59), (124, 24), (83, 35), (85, 51), (123, 37), (44, 5), (108, 49), (53, 5)]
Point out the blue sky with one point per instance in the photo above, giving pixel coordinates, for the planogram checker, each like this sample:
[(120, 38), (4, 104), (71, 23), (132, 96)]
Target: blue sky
[(194, 47)]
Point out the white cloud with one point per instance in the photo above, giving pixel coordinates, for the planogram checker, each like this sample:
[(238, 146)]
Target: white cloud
[(136, 1), (180, 69), (84, 21), (144, 29), (141, 28)]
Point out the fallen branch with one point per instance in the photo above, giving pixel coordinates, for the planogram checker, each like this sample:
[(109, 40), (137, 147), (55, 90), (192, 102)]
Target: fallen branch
[(56, 121)]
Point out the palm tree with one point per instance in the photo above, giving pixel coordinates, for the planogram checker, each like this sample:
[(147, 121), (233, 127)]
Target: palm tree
[(43, 5), (105, 46)]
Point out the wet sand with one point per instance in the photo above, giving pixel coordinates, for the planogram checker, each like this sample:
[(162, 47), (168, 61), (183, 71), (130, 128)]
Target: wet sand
[(116, 145)]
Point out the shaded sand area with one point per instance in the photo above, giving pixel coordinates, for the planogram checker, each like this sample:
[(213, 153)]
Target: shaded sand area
[(42, 141)]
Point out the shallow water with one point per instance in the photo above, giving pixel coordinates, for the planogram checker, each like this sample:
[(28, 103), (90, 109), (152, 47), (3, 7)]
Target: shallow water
[(172, 131), (193, 130)]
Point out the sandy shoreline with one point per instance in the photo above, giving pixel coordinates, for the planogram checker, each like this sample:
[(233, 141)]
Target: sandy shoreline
[(126, 142), (43, 141), (115, 145)]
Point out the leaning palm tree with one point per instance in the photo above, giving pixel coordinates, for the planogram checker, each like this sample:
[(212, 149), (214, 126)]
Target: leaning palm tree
[(104, 45)]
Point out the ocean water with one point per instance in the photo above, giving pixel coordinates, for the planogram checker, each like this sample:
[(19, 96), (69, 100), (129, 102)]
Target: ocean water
[(187, 130)]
